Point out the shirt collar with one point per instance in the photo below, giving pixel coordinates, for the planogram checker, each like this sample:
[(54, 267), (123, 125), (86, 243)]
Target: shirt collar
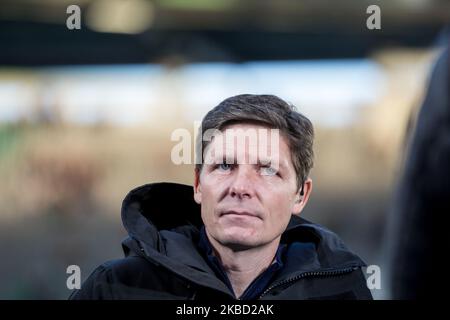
[(258, 285)]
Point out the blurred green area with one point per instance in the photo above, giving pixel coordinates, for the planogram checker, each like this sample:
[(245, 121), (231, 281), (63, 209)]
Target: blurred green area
[(9, 139)]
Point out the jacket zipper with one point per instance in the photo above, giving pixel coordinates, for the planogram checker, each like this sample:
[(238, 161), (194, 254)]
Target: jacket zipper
[(308, 274)]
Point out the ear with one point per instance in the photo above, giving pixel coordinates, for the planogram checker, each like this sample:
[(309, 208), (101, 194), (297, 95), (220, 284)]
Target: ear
[(197, 186), (300, 201)]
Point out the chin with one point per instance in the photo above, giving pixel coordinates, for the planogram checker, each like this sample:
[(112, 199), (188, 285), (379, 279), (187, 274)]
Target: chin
[(239, 239)]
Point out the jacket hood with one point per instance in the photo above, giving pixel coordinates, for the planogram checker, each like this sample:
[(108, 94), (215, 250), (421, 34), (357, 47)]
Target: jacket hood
[(163, 222)]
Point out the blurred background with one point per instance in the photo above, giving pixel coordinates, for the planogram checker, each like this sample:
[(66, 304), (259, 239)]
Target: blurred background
[(86, 115)]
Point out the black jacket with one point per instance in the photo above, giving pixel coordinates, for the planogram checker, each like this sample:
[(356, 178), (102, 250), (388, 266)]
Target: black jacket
[(162, 260)]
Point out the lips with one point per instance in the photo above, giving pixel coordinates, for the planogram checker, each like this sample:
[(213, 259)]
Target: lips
[(240, 213)]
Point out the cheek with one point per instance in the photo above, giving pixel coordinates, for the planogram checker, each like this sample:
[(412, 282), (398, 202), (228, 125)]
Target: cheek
[(213, 185), (209, 197), (208, 189), (281, 206)]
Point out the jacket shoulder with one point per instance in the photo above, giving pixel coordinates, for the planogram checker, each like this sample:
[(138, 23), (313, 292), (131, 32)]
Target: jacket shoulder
[(99, 283), (133, 277)]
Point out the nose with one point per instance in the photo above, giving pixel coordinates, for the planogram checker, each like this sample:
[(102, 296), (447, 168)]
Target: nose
[(242, 185)]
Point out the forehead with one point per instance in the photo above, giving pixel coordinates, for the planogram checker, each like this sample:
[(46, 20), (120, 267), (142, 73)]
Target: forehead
[(249, 138)]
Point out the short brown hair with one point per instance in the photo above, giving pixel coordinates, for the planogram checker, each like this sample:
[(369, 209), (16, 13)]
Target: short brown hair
[(267, 110)]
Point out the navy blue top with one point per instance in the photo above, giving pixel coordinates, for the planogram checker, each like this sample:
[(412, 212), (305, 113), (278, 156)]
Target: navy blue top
[(257, 287)]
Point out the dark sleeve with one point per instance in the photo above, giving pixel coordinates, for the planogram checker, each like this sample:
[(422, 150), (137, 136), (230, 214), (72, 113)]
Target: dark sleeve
[(96, 287)]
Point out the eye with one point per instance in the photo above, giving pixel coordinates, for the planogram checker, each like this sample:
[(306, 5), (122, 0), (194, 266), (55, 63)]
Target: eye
[(224, 166), (268, 171)]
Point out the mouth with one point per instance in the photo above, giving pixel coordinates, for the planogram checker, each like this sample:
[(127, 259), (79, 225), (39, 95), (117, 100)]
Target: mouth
[(240, 213)]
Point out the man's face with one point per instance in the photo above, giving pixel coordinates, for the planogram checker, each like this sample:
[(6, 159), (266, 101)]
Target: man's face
[(248, 203)]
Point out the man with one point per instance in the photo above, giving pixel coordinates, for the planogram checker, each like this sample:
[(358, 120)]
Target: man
[(242, 238)]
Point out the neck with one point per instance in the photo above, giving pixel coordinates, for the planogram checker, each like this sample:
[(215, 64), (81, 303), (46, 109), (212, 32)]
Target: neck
[(243, 266)]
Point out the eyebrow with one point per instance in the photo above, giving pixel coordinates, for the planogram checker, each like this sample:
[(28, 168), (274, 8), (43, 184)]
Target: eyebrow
[(259, 161)]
